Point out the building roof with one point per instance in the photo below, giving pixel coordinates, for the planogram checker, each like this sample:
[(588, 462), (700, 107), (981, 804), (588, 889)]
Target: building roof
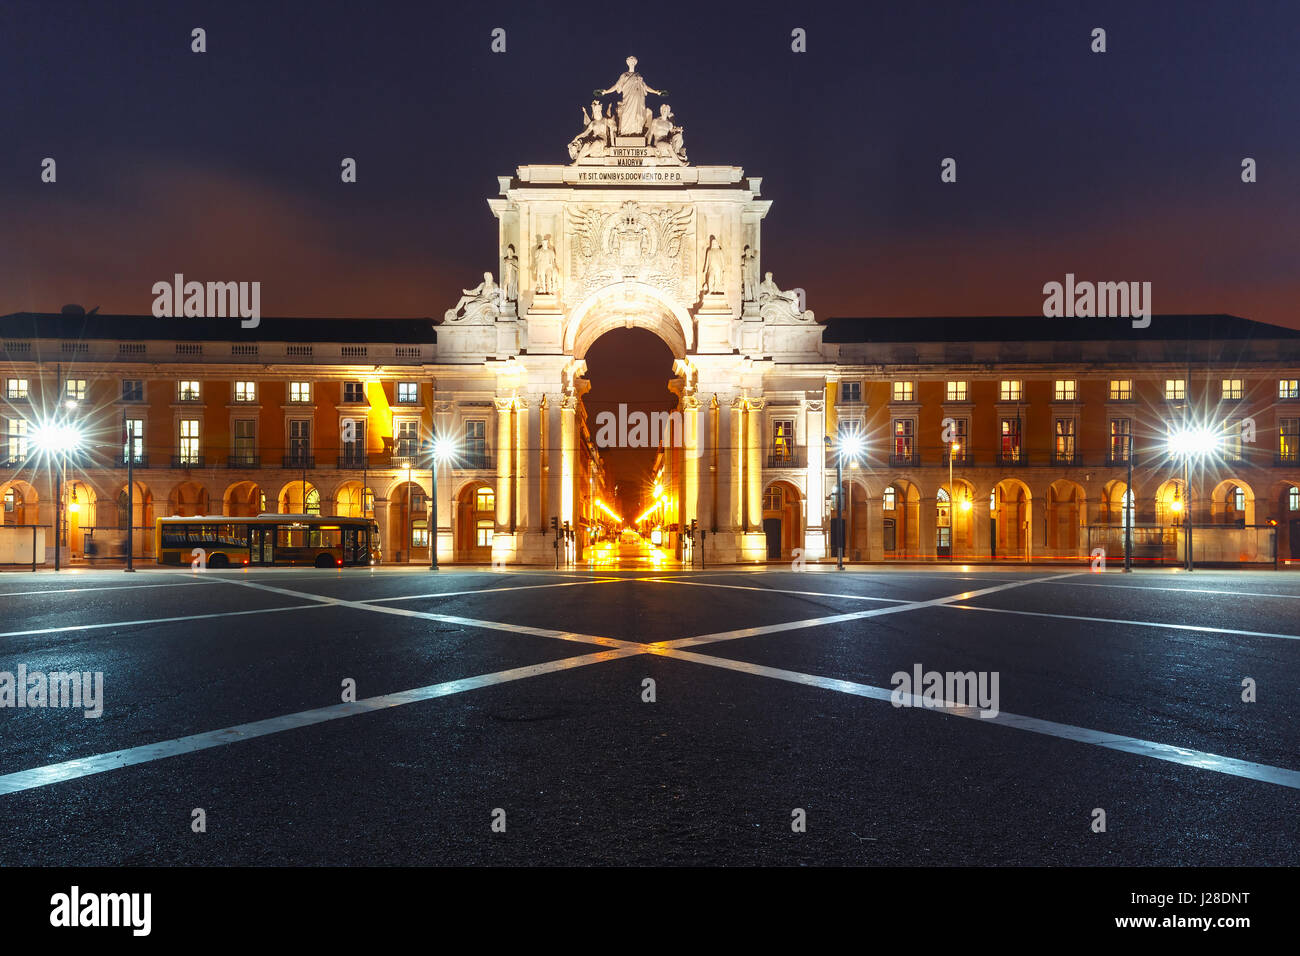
[(1036, 328), (75, 326)]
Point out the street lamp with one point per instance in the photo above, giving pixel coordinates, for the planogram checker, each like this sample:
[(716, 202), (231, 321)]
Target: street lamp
[(851, 445), (441, 449), (952, 500), (1188, 442), (58, 438)]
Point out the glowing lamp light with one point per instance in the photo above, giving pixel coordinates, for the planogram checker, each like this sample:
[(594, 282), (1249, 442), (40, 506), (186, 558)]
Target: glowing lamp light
[(852, 446), (1176, 505), (1195, 441), (57, 438), (444, 449), (966, 504)]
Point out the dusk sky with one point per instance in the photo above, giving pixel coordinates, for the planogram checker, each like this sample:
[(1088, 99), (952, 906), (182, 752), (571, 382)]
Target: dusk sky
[(225, 165)]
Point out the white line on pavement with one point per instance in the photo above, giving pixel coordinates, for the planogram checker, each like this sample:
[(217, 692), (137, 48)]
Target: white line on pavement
[(1115, 620), (156, 620)]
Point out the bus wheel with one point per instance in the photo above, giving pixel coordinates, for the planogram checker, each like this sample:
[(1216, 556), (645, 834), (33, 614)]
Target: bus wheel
[(324, 561), (218, 561)]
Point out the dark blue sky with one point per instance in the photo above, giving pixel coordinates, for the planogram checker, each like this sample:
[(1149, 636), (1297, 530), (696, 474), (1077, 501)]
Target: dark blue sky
[(1123, 165)]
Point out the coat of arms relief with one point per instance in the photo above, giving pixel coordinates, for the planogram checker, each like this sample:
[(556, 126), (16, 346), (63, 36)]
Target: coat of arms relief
[(649, 244)]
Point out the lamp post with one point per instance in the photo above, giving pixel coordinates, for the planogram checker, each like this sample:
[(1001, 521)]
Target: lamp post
[(952, 501), (1129, 504), (130, 493), (853, 446), (439, 450), (1188, 442)]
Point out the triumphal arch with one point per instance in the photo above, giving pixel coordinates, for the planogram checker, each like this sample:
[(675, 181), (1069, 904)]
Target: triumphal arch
[(629, 233)]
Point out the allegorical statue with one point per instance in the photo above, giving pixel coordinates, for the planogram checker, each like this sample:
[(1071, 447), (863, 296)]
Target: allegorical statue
[(664, 136), (773, 301), (510, 274), (482, 301), (749, 274), (546, 274), (597, 133), (632, 112), (714, 269)]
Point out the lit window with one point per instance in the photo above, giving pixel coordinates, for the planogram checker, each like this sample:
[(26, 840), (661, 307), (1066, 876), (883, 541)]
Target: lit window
[(1238, 498), (188, 390), (1288, 388), (1121, 390), (483, 534), (850, 391), (1120, 430), (245, 392), (11, 500), (407, 437), (1175, 389), (75, 390), (1010, 390), (313, 502), (941, 496), (133, 440), (904, 446), (17, 440), (1066, 389), (420, 534), (408, 393), (1293, 498), (1288, 440), (485, 499), (189, 441), (1232, 440), (1065, 440), (132, 390), (903, 391), (956, 392), (16, 388), (889, 498), (1232, 388), (300, 391), (1010, 447), (772, 499)]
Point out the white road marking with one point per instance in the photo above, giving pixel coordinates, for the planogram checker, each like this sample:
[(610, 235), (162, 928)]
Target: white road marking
[(118, 587), (1138, 587), (746, 587), (131, 756), (1098, 738), (1115, 620), (516, 587), (156, 620)]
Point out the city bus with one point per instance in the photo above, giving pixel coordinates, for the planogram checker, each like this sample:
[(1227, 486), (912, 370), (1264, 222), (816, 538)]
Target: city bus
[(268, 540)]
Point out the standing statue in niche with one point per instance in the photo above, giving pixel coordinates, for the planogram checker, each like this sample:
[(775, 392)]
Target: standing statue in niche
[(510, 274), (483, 302), (547, 274), (714, 269), (631, 107), (749, 274)]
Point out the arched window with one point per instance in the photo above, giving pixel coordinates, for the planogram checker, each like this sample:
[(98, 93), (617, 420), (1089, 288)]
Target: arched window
[(942, 497), (11, 501), (123, 508), (889, 498), (1293, 498), (1238, 498), (313, 502)]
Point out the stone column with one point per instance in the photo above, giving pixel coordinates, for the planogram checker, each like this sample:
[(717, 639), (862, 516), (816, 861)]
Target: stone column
[(554, 452), (385, 533), (707, 467), (690, 508), (979, 524), (876, 529), (815, 545), (568, 458), (735, 424), (754, 467), (927, 535), (522, 456), (504, 458)]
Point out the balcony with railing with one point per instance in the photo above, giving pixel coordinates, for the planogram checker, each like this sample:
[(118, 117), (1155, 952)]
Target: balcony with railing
[(907, 458), (1012, 458), (1287, 458), (472, 458), (239, 459), (188, 461), (787, 456), (353, 458), (298, 459)]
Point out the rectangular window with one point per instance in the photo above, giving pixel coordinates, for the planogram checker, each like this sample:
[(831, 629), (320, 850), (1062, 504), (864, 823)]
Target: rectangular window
[(17, 440), (1232, 440), (850, 391), (1121, 390), (354, 444), (783, 440), (354, 392), (407, 439), (1010, 390), (189, 441), (956, 391), (1288, 388), (960, 453), (1065, 391), (485, 499), (187, 390), (1175, 389), (1288, 441), (888, 499), (1120, 430), (300, 441), (420, 534), (1009, 449), (16, 388), (483, 534), (1064, 438), (1232, 388), (132, 390), (133, 440), (244, 451), (476, 443), (408, 393), (74, 390), (904, 440), (1293, 498), (903, 391), (300, 391), (245, 391)]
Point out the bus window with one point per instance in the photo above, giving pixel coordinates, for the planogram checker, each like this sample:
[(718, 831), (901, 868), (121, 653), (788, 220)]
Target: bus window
[(290, 537), (323, 538)]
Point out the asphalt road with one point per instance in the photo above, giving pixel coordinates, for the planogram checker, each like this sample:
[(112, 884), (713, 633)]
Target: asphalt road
[(524, 692)]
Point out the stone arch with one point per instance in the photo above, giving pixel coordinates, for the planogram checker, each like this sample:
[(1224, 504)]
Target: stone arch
[(1012, 510), (349, 499), (298, 497), (1284, 495), (627, 305), (900, 508), (142, 516), (1229, 507), (188, 498), (408, 520), (783, 517), (961, 514), (21, 502), (81, 513), (1171, 502), (1067, 516), (242, 499), (475, 522)]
